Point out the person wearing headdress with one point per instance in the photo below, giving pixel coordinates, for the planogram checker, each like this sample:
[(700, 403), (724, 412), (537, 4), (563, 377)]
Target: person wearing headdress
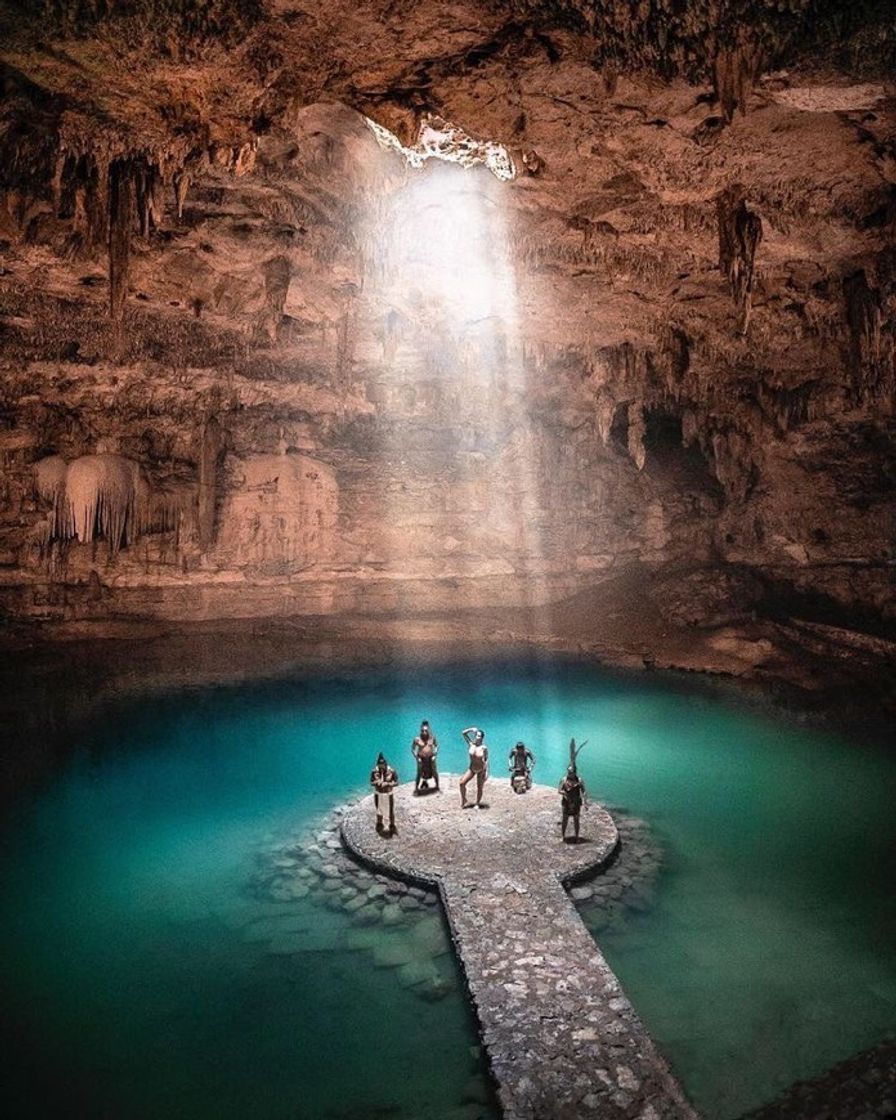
[(572, 796), (384, 779)]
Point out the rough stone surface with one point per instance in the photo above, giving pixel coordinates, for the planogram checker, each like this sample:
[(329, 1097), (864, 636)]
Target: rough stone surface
[(861, 1088), (680, 370), (563, 1040)]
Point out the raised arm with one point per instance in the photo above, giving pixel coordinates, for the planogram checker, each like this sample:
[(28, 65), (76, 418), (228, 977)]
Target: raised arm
[(467, 731)]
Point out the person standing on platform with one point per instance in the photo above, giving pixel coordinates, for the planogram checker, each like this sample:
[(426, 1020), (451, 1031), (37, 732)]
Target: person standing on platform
[(572, 795), (424, 748), (384, 779), (477, 764)]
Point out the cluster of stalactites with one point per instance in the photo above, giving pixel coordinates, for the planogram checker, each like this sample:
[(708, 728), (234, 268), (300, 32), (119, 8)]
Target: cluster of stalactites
[(632, 383), (864, 315), (740, 231), (111, 198), (102, 495)]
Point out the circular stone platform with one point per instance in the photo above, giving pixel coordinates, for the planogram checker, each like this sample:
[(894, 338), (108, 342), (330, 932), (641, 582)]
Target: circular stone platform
[(512, 832), (563, 1041)]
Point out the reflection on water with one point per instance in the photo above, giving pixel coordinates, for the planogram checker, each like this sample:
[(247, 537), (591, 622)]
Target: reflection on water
[(144, 973)]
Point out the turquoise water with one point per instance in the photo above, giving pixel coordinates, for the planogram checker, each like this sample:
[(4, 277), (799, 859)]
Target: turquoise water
[(131, 987)]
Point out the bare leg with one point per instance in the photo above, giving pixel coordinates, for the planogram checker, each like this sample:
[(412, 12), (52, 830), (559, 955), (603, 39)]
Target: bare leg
[(565, 822), (575, 824), (435, 774), (480, 784), (463, 788)]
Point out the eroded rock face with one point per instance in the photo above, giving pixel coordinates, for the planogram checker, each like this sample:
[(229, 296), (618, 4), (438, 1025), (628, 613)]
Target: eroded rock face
[(668, 341)]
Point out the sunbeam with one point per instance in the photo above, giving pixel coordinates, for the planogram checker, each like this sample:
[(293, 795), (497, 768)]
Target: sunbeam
[(440, 278)]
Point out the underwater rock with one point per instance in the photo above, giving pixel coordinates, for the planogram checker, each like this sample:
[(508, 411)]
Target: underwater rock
[(393, 953), (392, 916), (476, 1091), (415, 972), (434, 990), (365, 916)]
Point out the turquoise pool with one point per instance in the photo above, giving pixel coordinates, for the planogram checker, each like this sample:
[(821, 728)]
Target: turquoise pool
[(133, 986)]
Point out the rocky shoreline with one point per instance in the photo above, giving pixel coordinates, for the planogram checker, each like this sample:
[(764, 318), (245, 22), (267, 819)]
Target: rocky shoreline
[(315, 867)]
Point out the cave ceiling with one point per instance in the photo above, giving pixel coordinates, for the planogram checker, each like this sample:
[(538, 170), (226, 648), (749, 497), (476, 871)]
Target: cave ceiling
[(192, 208)]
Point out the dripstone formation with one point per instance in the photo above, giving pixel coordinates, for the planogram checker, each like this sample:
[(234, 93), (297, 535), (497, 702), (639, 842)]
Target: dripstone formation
[(254, 362)]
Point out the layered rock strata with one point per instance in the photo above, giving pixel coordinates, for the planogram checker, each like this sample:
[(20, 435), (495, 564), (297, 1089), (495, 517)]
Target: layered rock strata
[(348, 384)]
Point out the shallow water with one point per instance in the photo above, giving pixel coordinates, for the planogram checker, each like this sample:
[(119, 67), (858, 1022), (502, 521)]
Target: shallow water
[(136, 983)]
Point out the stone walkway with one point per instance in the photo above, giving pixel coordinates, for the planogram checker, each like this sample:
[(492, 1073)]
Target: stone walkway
[(563, 1041)]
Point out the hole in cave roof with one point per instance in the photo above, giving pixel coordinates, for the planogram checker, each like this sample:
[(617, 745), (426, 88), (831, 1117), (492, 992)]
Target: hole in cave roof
[(439, 139)]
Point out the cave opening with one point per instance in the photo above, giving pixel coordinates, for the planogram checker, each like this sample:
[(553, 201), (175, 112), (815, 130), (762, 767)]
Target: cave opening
[(439, 139)]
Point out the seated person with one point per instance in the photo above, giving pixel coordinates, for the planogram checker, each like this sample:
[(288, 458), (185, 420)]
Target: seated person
[(424, 748), (521, 763)]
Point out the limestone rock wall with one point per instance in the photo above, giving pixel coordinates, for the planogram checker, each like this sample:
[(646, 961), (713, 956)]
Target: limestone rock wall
[(347, 384)]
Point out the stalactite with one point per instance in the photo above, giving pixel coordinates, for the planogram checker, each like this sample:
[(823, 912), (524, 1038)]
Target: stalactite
[(788, 407), (101, 499), (690, 428), (49, 483), (207, 491), (276, 287), (740, 231), (103, 495), (606, 410), (59, 176), (147, 196), (636, 429), (121, 220), (863, 314), (181, 189), (98, 202), (734, 70), (168, 510), (733, 462), (675, 359)]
